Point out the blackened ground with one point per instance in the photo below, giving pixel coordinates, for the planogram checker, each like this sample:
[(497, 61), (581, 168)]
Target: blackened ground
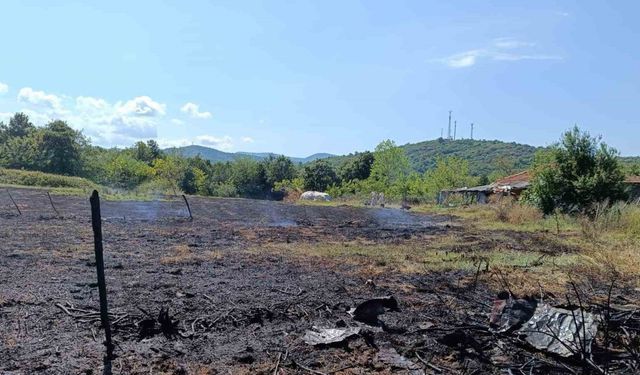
[(231, 310)]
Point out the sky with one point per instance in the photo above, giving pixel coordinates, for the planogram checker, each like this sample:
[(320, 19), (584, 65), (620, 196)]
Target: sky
[(301, 77)]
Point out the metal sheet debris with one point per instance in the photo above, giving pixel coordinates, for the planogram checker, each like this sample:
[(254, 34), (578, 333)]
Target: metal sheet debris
[(327, 336), (511, 313), (559, 331), (391, 357)]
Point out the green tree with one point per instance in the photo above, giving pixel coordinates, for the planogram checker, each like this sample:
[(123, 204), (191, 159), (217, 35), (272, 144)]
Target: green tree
[(61, 149), (633, 169), (124, 171), (248, 178), (170, 170), (390, 169), (277, 169), (20, 153), (19, 126), (147, 152), (451, 172), (319, 175), (579, 171), (194, 181), (357, 168), (4, 133)]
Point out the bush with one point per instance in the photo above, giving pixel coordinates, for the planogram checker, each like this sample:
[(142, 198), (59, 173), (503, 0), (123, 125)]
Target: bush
[(31, 178), (578, 173)]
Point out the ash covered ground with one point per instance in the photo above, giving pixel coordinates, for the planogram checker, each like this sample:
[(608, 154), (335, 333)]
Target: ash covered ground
[(233, 308)]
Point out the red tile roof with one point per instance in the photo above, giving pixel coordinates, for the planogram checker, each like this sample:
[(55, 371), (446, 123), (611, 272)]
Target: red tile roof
[(632, 180), (515, 178)]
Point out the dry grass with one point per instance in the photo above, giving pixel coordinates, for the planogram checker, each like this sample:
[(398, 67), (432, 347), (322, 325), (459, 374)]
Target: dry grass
[(183, 254), (440, 254), (508, 210)]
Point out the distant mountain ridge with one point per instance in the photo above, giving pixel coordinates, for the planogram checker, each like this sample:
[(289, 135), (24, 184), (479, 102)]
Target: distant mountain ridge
[(214, 155), (481, 154)]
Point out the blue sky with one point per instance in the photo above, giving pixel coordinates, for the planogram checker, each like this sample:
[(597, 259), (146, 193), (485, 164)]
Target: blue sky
[(323, 76)]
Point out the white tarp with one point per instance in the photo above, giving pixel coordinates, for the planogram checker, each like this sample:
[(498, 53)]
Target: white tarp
[(315, 196)]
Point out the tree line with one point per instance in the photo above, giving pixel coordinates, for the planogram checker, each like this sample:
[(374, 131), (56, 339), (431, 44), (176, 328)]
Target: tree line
[(580, 169)]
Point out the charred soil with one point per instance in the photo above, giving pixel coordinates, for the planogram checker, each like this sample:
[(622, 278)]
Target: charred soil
[(197, 297)]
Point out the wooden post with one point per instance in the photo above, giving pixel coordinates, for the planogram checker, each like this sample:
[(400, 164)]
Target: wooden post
[(14, 202), (188, 208), (51, 201), (96, 221)]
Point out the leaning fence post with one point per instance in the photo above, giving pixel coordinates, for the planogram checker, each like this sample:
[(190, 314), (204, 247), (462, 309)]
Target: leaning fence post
[(14, 202), (188, 208), (51, 201), (96, 222)]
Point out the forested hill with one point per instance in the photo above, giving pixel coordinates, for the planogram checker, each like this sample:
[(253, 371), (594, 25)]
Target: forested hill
[(483, 156), (214, 155)]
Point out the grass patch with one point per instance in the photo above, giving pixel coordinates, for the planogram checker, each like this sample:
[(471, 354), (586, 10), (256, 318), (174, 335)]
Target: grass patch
[(41, 179), (183, 254), (417, 258)]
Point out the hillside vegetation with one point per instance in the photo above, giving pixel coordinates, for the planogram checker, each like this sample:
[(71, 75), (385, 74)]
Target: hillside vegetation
[(483, 156), (34, 178)]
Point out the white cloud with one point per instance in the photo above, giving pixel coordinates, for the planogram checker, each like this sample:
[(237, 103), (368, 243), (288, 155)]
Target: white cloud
[(4, 88), (88, 103), (142, 106), (119, 123), (518, 50), (247, 140), (40, 99), (194, 111), (511, 43), (180, 142), (464, 59), (224, 143)]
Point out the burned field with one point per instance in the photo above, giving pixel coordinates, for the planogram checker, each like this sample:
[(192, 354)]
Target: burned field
[(242, 288)]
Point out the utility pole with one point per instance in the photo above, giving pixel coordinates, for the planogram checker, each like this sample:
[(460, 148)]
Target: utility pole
[(455, 129), (472, 130), (449, 131), (441, 132)]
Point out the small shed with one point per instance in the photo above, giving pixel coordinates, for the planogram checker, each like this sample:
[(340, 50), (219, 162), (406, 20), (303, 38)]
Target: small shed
[(476, 194), (513, 185), (633, 187)]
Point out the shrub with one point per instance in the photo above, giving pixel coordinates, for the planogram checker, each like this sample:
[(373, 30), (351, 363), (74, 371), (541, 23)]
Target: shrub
[(576, 174)]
